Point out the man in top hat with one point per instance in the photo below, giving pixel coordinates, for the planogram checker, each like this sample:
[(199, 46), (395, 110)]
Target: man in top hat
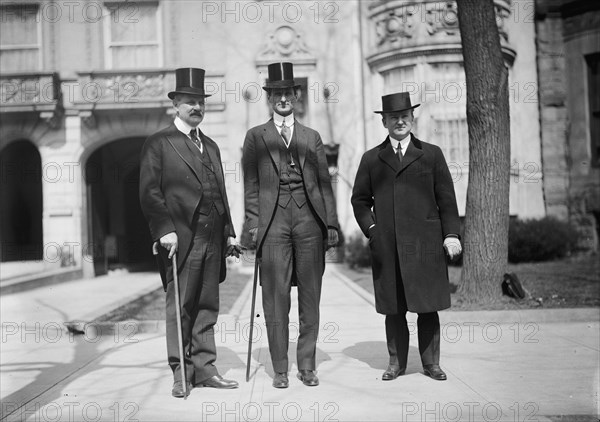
[(291, 214), (404, 202), (182, 194)]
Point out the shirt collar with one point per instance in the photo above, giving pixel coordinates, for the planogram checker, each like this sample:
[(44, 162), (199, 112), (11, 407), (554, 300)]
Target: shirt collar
[(403, 143), (278, 119), (183, 127)]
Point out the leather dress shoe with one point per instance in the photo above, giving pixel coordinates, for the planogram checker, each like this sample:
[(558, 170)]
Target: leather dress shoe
[(217, 381), (392, 372), (308, 377), (434, 372), (281, 380), (178, 389)]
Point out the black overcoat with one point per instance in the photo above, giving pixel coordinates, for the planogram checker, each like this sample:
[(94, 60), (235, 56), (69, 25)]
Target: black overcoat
[(413, 207)]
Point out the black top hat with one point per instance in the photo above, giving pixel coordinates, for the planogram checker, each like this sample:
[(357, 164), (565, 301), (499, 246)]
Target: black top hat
[(396, 102), (281, 75), (189, 80)]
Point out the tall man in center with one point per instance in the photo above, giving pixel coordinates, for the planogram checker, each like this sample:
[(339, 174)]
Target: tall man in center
[(291, 214)]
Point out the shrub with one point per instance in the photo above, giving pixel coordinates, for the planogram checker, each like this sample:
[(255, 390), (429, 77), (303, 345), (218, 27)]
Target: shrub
[(357, 252), (540, 239)]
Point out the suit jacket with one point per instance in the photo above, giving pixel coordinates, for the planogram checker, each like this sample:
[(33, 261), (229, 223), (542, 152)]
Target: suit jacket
[(171, 190), (413, 207), (261, 161)]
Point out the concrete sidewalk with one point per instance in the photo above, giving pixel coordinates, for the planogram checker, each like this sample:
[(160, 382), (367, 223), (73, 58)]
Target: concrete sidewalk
[(501, 366)]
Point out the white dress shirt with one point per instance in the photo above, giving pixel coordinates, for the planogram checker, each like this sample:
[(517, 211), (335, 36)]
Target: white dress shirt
[(289, 122), (184, 128)]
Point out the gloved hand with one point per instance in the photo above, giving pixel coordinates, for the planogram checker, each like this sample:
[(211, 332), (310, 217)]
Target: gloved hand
[(233, 248), (332, 238), (452, 247), (254, 233)]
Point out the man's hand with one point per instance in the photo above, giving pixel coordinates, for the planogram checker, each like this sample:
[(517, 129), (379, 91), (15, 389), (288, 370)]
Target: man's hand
[(169, 241), (452, 247), (233, 248), (254, 233), (155, 248), (332, 238)]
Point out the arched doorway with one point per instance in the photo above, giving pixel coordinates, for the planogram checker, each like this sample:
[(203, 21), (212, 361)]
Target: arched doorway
[(116, 224), (21, 231)]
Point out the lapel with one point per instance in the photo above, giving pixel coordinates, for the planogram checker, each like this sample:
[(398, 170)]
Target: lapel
[(179, 143), (211, 150), (301, 140), (388, 156), (413, 152), (271, 138)]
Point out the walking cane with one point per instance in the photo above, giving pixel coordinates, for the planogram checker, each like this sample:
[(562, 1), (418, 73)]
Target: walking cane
[(252, 319), (179, 330)]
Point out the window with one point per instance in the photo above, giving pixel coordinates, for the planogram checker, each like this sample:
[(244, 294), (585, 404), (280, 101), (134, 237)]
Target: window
[(20, 38), (133, 35), (446, 96), (452, 137), (401, 79), (593, 63)]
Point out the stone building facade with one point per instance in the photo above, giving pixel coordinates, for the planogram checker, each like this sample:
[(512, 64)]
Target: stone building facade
[(84, 83), (568, 56)]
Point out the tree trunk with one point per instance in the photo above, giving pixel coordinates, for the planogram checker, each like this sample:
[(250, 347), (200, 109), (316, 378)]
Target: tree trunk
[(486, 221)]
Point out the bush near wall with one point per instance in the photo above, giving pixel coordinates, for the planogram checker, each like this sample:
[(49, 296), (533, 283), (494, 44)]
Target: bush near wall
[(357, 253), (541, 239), (530, 240)]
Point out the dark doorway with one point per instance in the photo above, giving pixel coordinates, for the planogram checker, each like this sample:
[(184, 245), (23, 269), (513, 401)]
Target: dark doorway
[(21, 232), (119, 232)]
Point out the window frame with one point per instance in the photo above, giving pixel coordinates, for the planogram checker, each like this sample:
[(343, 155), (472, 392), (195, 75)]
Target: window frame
[(38, 46), (108, 43)]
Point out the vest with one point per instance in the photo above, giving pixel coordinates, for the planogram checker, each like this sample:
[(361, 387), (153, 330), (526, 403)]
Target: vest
[(291, 184), (211, 194)]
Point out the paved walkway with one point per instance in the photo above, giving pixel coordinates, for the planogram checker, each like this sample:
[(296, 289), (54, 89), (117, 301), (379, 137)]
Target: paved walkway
[(502, 366)]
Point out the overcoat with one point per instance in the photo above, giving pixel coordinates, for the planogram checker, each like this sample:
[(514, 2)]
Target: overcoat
[(261, 162), (171, 190), (413, 207)]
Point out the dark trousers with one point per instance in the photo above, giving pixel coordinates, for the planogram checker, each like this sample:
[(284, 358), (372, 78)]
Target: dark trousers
[(199, 295), (397, 333), (293, 247)]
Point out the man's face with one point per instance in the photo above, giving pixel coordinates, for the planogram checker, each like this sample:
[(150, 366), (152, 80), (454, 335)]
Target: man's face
[(190, 108), (399, 124), (282, 100)]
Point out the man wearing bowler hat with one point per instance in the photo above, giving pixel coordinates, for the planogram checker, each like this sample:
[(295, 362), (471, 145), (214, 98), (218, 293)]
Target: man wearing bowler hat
[(404, 202), (182, 194), (291, 214)]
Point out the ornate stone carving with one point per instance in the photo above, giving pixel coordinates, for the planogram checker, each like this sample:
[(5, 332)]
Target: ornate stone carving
[(397, 23), (442, 17), (284, 42), (23, 90)]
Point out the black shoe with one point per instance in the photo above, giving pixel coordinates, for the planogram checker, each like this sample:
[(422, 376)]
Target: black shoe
[(308, 377), (434, 372), (392, 372), (217, 381), (281, 380), (178, 389)]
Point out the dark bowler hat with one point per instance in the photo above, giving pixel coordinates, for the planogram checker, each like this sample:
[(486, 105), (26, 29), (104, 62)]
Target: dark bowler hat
[(281, 75), (189, 80), (396, 102)]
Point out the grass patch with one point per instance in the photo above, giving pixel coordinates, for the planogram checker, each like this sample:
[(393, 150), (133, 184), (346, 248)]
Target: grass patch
[(572, 282), (151, 306)]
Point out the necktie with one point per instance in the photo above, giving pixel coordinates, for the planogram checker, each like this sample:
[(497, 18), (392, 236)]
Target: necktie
[(399, 153), (285, 133), (195, 140)]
